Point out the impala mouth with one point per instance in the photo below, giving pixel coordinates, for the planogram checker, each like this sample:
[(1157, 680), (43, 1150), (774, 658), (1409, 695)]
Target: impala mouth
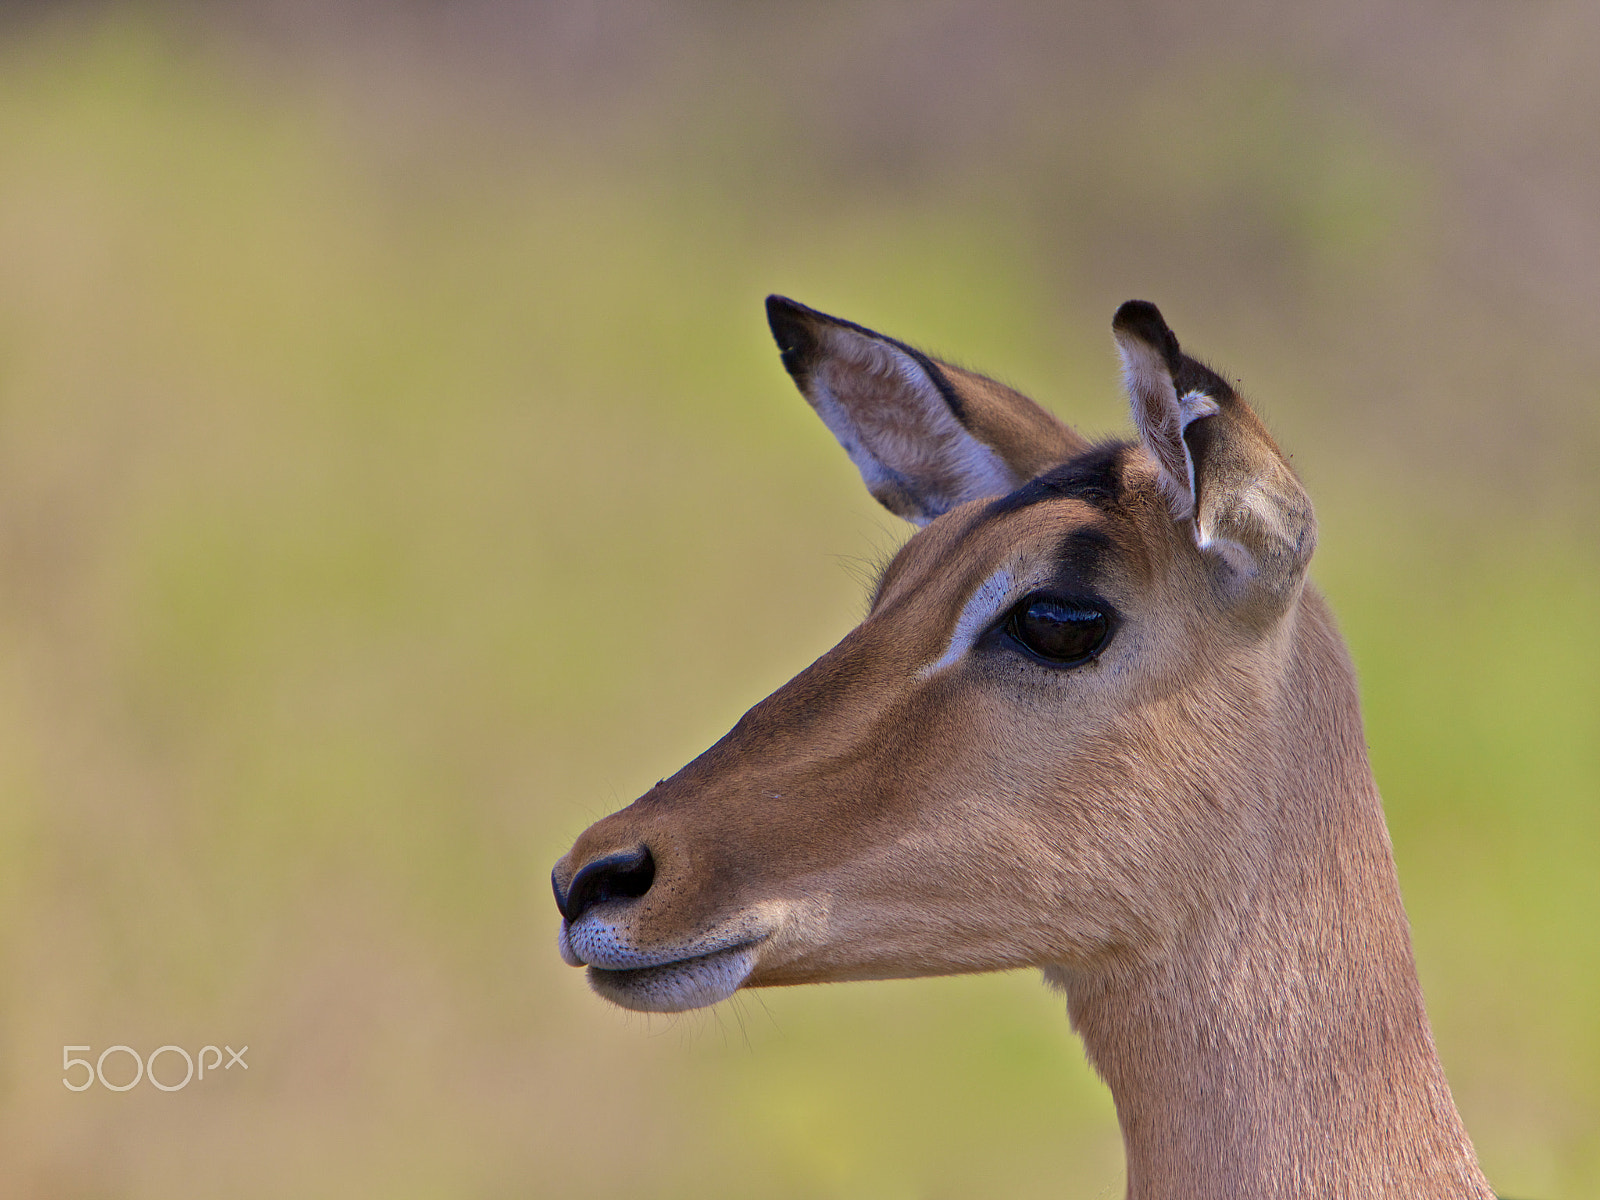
[(676, 979), (697, 982)]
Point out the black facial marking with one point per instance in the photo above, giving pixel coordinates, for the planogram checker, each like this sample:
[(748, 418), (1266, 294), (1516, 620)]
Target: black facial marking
[(1084, 554), (1095, 477)]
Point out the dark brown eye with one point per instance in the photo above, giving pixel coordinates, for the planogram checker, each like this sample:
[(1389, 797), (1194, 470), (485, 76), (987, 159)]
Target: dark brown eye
[(1059, 631)]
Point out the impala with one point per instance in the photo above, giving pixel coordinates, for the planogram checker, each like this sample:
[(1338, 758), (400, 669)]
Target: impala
[(1097, 722)]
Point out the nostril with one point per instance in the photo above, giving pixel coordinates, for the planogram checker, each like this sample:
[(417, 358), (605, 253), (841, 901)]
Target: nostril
[(627, 875)]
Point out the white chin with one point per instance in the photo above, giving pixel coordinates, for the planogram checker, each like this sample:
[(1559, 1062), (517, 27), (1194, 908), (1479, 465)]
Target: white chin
[(678, 986)]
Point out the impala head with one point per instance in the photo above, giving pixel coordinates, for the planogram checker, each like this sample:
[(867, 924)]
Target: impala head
[(1038, 748)]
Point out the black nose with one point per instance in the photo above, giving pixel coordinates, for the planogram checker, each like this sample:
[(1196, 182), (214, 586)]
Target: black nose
[(628, 874)]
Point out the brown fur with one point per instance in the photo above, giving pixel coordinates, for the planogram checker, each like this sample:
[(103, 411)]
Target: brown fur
[(1183, 832)]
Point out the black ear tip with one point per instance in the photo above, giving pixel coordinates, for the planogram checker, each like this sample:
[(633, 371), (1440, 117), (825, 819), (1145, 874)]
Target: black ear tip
[(792, 329), (783, 313), (1142, 320), (1132, 312)]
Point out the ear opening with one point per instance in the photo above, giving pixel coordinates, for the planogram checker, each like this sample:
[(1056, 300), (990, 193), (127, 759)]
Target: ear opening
[(1219, 468), (925, 436)]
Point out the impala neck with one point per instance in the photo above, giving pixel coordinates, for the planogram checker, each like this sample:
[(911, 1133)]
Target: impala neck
[(1282, 1050)]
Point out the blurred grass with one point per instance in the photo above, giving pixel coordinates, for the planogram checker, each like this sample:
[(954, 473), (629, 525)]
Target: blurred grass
[(376, 511)]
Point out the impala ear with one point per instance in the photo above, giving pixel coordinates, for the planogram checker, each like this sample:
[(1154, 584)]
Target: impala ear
[(1220, 468), (926, 436)]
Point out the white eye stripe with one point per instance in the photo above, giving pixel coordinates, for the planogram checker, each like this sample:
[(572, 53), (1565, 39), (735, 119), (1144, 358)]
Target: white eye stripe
[(988, 600)]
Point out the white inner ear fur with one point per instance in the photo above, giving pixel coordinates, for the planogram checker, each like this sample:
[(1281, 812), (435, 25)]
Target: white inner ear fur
[(1158, 413), (988, 600), (902, 433), (1191, 407), (1162, 416)]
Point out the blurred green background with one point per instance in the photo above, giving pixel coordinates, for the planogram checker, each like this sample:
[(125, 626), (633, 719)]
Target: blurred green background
[(396, 475)]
